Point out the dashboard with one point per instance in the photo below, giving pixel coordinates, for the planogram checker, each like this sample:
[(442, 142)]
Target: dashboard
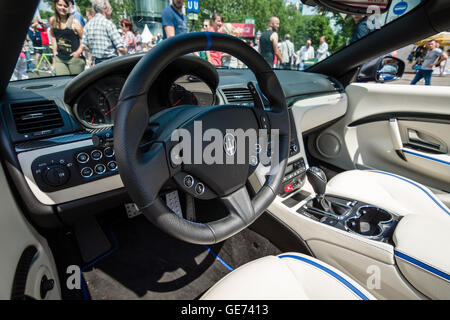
[(48, 124)]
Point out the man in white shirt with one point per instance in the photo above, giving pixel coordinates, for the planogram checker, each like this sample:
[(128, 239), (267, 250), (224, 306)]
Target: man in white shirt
[(305, 53), (322, 51), (287, 51)]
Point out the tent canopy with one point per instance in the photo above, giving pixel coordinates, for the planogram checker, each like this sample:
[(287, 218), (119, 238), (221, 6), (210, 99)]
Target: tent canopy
[(443, 38), (146, 35)]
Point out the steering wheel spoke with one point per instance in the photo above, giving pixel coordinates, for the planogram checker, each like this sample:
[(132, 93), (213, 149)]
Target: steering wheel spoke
[(219, 145), (239, 204)]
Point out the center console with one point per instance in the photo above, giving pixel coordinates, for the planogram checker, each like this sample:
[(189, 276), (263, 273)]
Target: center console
[(353, 216)]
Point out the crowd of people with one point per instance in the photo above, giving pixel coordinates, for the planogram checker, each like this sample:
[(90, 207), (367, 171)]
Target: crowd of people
[(70, 43), (282, 54)]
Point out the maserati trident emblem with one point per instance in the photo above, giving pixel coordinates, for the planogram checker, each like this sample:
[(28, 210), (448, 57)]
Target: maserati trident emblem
[(229, 144)]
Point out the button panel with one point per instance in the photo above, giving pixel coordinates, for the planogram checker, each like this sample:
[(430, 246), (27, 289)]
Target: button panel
[(70, 168)]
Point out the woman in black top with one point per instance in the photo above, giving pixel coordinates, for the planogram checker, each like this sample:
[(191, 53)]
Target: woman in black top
[(66, 35)]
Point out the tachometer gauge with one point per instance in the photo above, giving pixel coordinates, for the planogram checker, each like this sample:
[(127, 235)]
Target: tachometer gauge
[(180, 96), (97, 107), (93, 116)]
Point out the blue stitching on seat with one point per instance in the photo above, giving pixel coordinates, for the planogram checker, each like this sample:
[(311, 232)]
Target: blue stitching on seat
[(208, 41), (414, 184), (422, 265), (331, 272), (426, 157)]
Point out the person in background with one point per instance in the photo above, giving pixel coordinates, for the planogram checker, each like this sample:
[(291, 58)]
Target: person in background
[(73, 11), (66, 33), (206, 25), (322, 51), (287, 51), (27, 46), (228, 60), (138, 40), (215, 57), (158, 38), (305, 53), (362, 28), (433, 58), (268, 43), (128, 35), (100, 35), (20, 71), (35, 37), (174, 21), (90, 13)]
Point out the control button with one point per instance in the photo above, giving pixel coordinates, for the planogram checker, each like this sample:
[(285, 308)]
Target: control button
[(87, 172), (112, 165), (96, 154), (108, 152), (199, 189), (288, 188), (264, 122), (100, 168), (253, 161), (188, 181), (56, 175), (82, 157)]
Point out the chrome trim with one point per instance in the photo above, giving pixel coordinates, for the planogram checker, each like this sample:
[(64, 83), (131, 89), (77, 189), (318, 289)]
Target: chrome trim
[(107, 166), (184, 181), (113, 152), (81, 172), (359, 215), (96, 159), (203, 191), (104, 168), (87, 160)]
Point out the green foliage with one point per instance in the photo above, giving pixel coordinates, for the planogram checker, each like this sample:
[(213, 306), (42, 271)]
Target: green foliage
[(300, 28), (120, 9)]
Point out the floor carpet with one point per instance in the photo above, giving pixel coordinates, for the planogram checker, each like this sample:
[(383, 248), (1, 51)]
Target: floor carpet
[(146, 263)]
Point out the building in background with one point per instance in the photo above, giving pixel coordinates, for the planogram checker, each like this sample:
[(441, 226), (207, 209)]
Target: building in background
[(148, 12)]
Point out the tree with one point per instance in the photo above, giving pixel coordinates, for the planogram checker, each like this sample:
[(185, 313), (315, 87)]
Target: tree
[(120, 9)]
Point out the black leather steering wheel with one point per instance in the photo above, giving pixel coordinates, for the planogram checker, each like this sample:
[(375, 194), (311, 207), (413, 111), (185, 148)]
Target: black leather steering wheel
[(144, 170)]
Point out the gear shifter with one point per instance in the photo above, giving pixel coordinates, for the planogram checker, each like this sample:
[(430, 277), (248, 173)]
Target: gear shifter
[(318, 181)]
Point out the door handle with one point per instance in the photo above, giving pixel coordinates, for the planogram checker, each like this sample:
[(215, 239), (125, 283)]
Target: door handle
[(396, 138), (413, 137)]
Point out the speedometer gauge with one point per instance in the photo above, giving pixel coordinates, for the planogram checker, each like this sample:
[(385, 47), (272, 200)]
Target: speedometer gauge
[(97, 107)]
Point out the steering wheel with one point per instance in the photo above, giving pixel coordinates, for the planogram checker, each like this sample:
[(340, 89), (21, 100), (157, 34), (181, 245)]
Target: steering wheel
[(144, 169)]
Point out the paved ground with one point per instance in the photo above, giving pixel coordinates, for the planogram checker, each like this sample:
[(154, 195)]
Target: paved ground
[(436, 80)]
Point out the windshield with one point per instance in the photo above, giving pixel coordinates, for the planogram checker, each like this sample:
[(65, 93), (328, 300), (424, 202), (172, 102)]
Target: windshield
[(67, 37)]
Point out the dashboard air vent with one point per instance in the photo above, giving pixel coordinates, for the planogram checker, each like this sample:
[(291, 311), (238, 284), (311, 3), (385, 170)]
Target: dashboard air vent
[(238, 96), (37, 116)]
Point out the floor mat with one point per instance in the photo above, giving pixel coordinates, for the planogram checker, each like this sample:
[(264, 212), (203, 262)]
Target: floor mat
[(146, 263)]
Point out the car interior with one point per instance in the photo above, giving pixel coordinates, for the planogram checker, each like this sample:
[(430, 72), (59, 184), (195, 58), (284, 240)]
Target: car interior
[(357, 206)]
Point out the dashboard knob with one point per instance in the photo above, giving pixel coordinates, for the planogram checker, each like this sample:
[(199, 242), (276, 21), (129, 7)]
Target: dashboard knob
[(56, 175)]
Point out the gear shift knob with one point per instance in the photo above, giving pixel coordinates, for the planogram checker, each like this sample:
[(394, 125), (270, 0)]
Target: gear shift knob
[(318, 180)]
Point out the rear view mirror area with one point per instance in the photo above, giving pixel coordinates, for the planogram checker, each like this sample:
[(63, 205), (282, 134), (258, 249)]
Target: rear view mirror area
[(358, 7)]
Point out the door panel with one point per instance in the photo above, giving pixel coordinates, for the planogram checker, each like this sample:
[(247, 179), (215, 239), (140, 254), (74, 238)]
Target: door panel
[(397, 128)]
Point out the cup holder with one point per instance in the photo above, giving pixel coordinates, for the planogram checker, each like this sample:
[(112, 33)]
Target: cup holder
[(369, 221)]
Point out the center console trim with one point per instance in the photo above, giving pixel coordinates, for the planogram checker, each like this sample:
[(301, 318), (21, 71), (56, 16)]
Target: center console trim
[(68, 194)]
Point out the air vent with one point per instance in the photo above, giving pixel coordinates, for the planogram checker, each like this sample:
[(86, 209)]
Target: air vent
[(38, 116), (238, 96)]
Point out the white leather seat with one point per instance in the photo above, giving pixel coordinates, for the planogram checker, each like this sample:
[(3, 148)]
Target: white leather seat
[(389, 191), (289, 276)]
